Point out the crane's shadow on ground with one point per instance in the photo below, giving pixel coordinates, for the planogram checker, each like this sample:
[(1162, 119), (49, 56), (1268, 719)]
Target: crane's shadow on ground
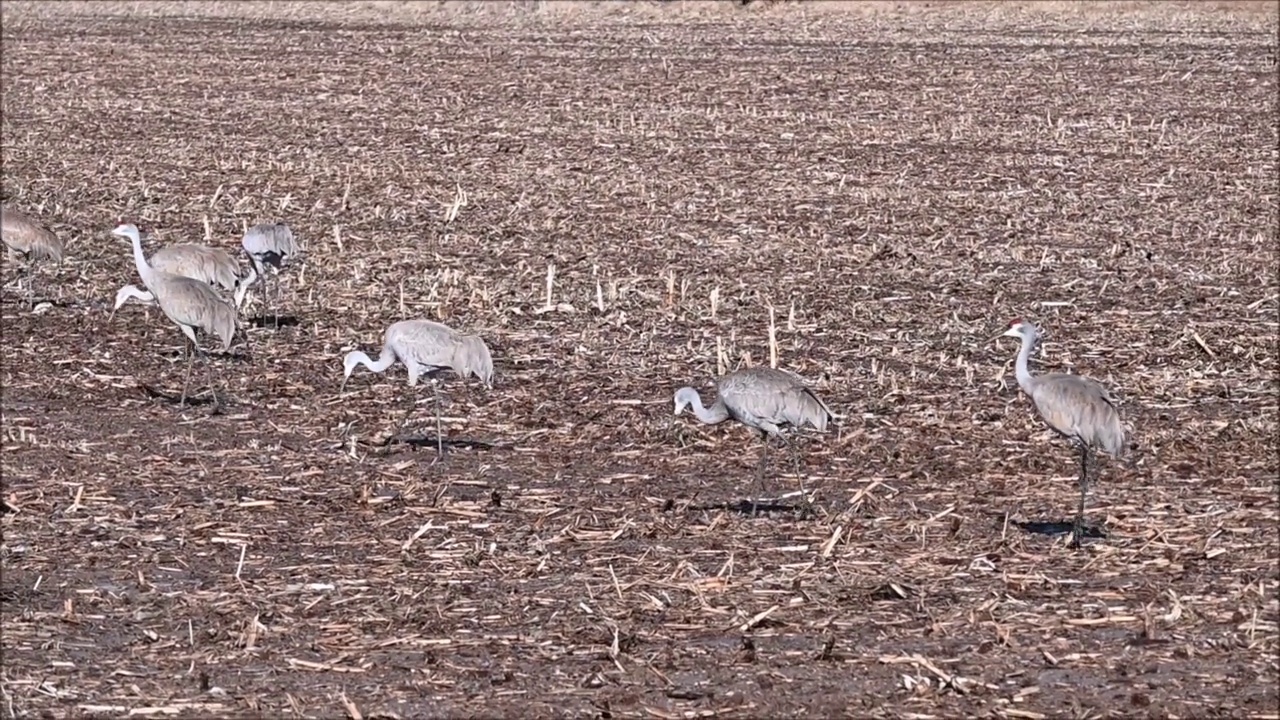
[(273, 322), (198, 397), (1053, 527), (764, 507), (205, 356), (416, 441)]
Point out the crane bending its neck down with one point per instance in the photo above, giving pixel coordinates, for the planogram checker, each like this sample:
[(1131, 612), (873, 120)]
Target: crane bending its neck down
[(687, 396), (358, 357)]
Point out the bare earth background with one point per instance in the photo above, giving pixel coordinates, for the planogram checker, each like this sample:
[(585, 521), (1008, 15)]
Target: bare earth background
[(897, 181)]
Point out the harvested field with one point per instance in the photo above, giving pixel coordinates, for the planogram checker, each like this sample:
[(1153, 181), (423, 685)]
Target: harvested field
[(896, 182)]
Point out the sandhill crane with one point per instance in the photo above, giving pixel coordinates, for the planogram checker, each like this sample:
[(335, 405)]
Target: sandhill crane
[(762, 399), (212, 265), (24, 236), (188, 302), (1076, 407), (426, 348), (267, 244)]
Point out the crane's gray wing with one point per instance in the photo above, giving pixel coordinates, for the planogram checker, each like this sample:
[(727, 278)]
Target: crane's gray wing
[(428, 344), (772, 395), (1082, 408)]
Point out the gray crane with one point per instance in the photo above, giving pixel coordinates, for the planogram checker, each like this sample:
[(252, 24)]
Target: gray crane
[(1075, 407), (267, 245), (24, 236), (426, 348), (763, 399), (207, 264), (188, 303)]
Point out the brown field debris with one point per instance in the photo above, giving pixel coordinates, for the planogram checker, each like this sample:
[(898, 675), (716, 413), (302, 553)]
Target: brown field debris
[(895, 184)]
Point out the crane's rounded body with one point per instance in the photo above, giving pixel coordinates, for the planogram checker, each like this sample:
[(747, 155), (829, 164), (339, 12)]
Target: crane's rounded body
[(212, 265), (24, 236), (424, 347), (760, 398), (269, 244)]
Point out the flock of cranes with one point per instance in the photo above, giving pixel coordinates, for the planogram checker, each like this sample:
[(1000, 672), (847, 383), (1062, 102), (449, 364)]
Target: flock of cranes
[(184, 280)]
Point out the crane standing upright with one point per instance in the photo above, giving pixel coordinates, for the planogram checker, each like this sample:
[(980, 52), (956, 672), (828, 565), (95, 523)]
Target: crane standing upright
[(187, 302), (763, 399), (426, 348), (1076, 407)]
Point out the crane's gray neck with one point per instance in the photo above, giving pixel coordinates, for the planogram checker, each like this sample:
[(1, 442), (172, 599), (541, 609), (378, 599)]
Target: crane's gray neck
[(245, 283), (717, 413), (139, 259), (384, 361), (1024, 354)]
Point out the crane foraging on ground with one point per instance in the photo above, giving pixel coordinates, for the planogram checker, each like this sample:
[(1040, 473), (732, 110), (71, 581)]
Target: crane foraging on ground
[(763, 399), (211, 265), (267, 245), (187, 302), (1075, 407), (426, 348), (24, 236)]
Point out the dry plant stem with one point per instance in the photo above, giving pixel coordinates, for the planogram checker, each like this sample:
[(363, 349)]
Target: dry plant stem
[(551, 282), (773, 338)]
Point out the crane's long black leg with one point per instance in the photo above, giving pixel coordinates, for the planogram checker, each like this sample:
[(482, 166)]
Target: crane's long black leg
[(187, 350), (764, 461), (31, 284), (435, 390), (275, 299), (1077, 532)]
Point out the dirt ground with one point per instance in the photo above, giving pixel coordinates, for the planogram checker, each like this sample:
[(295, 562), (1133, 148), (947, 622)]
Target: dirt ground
[(890, 183)]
